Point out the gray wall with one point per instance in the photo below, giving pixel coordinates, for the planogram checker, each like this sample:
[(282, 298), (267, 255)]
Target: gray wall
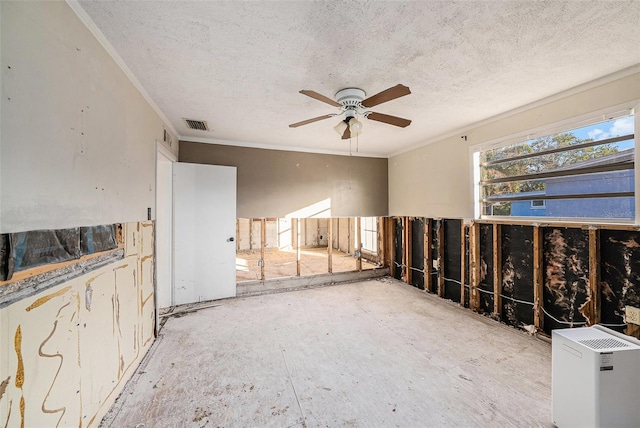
[(278, 183)]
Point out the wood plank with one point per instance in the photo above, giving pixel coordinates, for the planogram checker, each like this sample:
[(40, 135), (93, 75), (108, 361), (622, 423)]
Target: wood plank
[(594, 276), (251, 234), (440, 235), (263, 244), (463, 264), (408, 244), (330, 246), (428, 283), (538, 318), (298, 224), (474, 242), (359, 244), (380, 236), (497, 269), (391, 227)]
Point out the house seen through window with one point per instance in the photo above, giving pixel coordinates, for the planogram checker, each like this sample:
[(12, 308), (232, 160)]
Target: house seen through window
[(586, 172)]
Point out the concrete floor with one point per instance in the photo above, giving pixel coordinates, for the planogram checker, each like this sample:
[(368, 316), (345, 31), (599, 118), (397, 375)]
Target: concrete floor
[(282, 263), (376, 353)]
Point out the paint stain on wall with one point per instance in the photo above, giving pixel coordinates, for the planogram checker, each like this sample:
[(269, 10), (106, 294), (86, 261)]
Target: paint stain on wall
[(3, 386), (41, 301), (42, 354)]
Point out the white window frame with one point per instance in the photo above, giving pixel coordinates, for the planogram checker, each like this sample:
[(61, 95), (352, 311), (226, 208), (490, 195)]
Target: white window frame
[(620, 110)]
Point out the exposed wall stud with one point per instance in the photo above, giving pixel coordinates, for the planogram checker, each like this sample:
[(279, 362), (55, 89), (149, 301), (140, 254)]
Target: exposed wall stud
[(408, 244), (441, 258), (428, 278), (463, 264), (298, 224), (380, 236), (538, 319), (251, 234), (497, 269), (391, 245), (359, 244), (594, 276), (330, 246), (474, 242), (263, 244)]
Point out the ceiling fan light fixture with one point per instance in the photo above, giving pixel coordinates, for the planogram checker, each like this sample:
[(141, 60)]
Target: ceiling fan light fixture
[(355, 126), (341, 127)]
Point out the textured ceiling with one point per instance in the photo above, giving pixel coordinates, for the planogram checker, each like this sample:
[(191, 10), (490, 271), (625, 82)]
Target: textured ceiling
[(240, 65)]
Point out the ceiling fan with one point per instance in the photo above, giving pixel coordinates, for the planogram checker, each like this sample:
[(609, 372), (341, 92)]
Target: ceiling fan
[(352, 103)]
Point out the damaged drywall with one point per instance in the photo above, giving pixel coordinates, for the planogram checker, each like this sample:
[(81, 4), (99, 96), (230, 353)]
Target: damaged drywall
[(73, 346)]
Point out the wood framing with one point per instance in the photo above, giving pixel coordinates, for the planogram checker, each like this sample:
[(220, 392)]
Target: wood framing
[(380, 228), (263, 245), (463, 262), (330, 246), (538, 283), (474, 242), (428, 283), (297, 221), (391, 227), (358, 244), (497, 269), (406, 234), (594, 277), (440, 235), (251, 234), (237, 234)]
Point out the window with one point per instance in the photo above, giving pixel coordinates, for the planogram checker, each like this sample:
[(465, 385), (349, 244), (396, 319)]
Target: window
[(585, 172), (369, 234)]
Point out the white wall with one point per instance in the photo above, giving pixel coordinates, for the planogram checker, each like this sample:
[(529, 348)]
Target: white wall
[(436, 180), (78, 138)]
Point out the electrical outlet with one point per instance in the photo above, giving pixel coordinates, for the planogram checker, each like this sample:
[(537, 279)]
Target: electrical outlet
[(632, 315)]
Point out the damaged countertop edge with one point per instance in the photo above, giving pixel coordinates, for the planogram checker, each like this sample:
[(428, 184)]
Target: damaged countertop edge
[(36, 284)]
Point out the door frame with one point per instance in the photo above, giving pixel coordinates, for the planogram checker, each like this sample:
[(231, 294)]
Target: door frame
[(165, 243)]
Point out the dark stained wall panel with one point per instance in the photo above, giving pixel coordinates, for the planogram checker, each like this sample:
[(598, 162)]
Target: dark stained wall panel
[(566, 276), (486, 268), (619, 274), (452, 259), (417, 252), (517, 275)]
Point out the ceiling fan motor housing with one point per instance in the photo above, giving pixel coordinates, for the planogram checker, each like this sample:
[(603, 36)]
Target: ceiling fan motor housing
[(350, 97)]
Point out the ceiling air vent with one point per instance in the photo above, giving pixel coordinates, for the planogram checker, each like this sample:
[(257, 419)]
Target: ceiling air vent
[(200, 125)]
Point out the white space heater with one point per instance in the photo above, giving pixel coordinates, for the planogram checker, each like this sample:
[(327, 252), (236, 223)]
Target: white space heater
[(595, 378)]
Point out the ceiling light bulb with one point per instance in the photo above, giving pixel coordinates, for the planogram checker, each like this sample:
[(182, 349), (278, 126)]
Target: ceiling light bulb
[(355, 126)]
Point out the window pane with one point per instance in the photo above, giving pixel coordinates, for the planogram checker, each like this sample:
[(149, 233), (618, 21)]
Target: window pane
[(583, 172)]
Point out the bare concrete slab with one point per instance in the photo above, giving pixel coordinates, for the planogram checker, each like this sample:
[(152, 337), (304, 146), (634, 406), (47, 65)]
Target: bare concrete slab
[(376, 353)]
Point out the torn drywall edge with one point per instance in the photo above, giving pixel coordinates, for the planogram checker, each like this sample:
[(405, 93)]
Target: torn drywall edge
[(27, 287)]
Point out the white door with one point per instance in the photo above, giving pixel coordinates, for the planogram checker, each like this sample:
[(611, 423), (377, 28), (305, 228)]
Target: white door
[(204, 232)]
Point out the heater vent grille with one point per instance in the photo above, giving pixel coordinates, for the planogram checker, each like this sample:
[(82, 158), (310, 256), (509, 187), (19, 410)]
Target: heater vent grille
[(200, 125)]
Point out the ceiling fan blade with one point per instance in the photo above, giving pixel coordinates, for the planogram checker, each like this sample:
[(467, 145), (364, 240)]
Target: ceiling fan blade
[(386, 95), (391, 120), (315, 119), (320, 97), (347, 134)]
